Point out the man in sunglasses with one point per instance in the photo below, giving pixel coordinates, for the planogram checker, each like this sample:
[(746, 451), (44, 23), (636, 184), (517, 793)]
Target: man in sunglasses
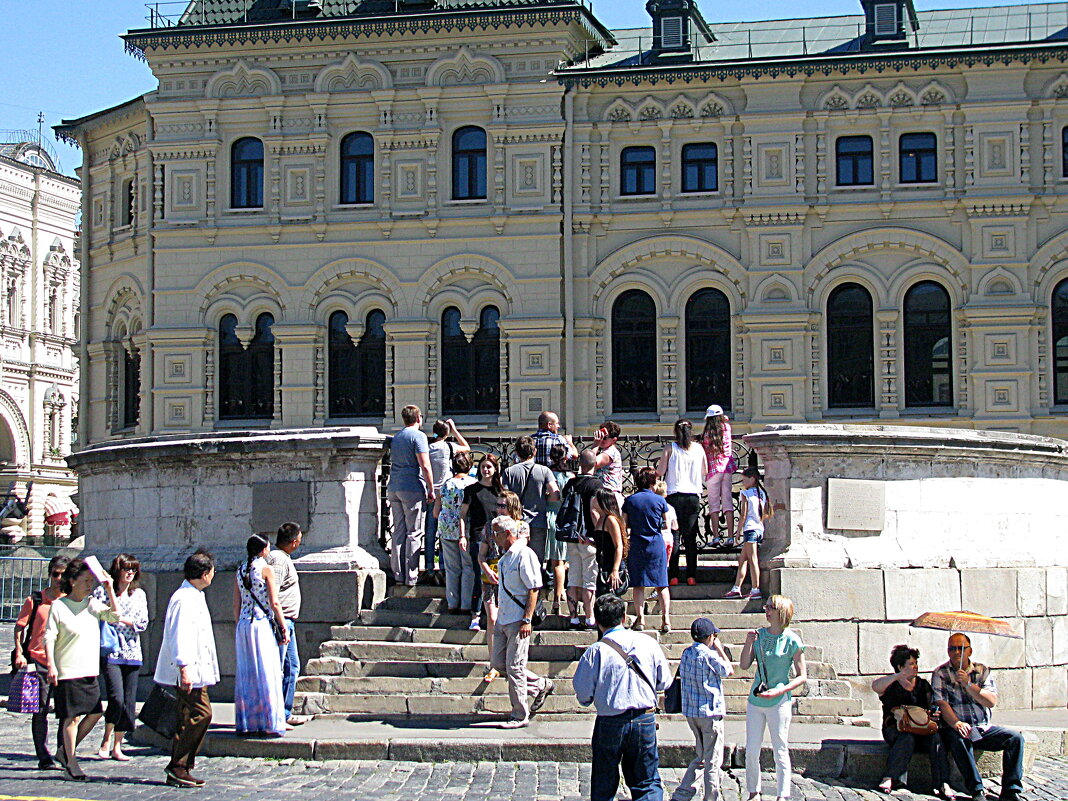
[(30, 650), (965, 692)]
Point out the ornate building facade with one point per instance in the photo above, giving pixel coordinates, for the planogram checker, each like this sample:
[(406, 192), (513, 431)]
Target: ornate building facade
[(329, 210), (39, 318)]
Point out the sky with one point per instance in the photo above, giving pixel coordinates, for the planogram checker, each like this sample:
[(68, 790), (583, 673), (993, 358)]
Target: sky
[(64, 57)]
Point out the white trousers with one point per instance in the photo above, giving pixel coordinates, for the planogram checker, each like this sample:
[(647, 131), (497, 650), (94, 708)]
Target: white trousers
[(777, 720), (708, 734)]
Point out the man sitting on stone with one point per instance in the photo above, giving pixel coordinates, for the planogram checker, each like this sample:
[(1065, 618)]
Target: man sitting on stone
[(965, 692)]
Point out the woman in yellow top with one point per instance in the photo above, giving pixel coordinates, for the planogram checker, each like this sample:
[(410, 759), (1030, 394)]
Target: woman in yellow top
[(72, 642)]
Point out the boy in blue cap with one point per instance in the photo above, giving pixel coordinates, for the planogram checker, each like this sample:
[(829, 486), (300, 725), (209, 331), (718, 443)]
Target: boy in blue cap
[(702, 669)]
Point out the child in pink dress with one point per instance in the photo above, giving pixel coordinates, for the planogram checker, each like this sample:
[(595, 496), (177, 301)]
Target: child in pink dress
[(716, 440)]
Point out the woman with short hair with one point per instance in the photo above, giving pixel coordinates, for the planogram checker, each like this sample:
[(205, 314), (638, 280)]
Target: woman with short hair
[(120, 668), (72, 642), (905, 687), (776, 649)]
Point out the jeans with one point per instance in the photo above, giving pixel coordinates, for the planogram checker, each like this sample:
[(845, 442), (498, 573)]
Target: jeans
[(687, 506), (408, 509), (777, 719), (629, 738), (510, 658), (430, 539), (290, 666), (903, 745), (459, 575), (120, 686), (996, 739), (708, 734)]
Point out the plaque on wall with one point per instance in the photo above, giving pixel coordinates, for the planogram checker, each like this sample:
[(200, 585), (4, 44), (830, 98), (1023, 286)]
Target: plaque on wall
[(855, 504)]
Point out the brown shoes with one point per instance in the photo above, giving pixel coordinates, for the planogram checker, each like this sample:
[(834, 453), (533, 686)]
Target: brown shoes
[(178, 776)]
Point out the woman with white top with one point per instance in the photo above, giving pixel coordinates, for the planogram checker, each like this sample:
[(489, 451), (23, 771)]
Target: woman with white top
[(120, 668), (684, 465), (72, 642)]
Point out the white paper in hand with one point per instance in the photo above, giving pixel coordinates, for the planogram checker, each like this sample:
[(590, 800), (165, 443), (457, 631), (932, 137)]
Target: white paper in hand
[(96, 568)]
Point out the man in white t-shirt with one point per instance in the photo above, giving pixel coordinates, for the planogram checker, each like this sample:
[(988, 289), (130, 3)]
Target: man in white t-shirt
[(519, 579)]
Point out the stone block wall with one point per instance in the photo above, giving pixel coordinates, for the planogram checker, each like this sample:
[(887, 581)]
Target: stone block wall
[(858, 615)]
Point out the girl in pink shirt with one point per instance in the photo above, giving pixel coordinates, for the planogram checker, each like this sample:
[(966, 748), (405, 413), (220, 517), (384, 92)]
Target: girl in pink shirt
[(716, 441)]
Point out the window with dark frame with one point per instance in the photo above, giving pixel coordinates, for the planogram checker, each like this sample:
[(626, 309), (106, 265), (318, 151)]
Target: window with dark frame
[(246, 375), (469, 164), (928, 352), (850, 348), (918, 158), (357, 168), (1064, 152), (357, 371), (131, 387), (1059, 315), (127, 215), (700, 167), (246, 174), (708, 349), (471, 370), (634, 361), (854, 161), (637, 171)]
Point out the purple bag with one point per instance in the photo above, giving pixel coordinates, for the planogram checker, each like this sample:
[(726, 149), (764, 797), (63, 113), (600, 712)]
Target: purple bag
[(24, 692)]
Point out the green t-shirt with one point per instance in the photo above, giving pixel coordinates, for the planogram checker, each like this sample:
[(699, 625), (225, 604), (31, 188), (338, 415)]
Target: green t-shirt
[(776, 655)]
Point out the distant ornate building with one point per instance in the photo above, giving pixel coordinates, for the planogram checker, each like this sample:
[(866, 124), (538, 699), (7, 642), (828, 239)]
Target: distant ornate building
[(39, 281), (328, 210)]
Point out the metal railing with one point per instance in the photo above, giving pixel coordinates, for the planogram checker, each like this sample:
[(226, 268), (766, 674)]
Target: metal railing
[(636, 452), (19, 576)]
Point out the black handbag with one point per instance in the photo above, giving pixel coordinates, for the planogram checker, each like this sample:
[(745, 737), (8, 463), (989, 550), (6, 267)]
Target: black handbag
[(673, 695), (762, 682), (160, 711), (605, 585)]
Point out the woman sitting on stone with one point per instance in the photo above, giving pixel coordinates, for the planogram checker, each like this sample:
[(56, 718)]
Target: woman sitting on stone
[(905, 687)]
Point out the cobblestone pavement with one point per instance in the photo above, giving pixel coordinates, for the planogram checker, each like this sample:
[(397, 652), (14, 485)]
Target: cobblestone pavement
[(233, 778)]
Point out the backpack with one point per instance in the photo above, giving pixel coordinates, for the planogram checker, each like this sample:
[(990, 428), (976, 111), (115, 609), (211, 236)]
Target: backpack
[(570, 521)]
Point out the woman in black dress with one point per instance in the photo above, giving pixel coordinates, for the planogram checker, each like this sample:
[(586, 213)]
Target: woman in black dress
[(905, 687)]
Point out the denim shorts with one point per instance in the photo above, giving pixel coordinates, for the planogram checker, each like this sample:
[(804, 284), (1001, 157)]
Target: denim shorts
[(752, 536)]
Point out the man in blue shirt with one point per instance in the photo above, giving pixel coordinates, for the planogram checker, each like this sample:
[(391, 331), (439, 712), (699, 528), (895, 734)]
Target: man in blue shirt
[(411, 487), (621, 676), (702, 668)]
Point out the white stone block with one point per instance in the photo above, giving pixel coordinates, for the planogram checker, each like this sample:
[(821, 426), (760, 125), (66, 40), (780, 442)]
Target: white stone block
[(1038, 641), (1015, 689), (989, 591), (1050, 687), (838, 641), (834, 594), (1031, 591), (878, 639), (910, 593), (1060, 640), (1057, 590)]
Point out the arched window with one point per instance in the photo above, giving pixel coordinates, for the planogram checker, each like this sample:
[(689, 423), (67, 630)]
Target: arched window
[(246, 375), (469, 164), (928, 381), (357, 376), (246, 174), (1060, 343), (708, 349), (358, 168), (637, 171), (131, 387), (700, 168), (850, 348), (634, 353), (471, 371)]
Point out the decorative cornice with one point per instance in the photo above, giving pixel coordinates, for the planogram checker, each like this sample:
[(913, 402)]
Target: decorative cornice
[(780, 218), (808, 66), (1000, 210)]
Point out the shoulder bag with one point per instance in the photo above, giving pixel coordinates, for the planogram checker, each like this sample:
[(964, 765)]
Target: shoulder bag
[(276, 627), (914, 720), (539, 608), (160, 711), (673, 695), (762, 676), (632, 663)]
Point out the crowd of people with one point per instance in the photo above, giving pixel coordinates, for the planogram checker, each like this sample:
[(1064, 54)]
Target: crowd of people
[(82, 631)]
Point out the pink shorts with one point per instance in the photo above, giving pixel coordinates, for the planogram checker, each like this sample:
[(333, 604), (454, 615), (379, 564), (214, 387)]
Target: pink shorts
[(718, 487)]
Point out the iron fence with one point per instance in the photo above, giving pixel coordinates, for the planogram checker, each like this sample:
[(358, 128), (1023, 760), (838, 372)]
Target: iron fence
[(19, 576), (636, 452)]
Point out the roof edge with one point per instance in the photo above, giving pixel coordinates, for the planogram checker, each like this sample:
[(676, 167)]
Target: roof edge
[(65, 130)]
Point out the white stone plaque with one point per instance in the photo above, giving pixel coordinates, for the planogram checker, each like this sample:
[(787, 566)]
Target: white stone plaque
[(857, 505)]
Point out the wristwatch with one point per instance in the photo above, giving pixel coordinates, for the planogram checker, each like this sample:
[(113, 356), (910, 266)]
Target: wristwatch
[(525, 620)]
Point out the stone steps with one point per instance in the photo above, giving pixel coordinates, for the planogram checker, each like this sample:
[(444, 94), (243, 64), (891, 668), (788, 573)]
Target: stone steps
[(430, 618), (733, 638), (682, 592), (725, 613)]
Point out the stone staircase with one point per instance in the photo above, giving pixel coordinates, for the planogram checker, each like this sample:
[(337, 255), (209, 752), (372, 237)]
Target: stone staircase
[(409, 658)]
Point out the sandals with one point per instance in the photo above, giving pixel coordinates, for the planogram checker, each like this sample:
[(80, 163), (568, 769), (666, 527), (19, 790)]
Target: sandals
[(491, 674)]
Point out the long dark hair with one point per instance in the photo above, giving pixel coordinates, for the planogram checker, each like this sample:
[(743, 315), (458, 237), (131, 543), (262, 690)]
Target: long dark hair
[(498, 486), (713, 434), (683, 434), (765, 505), (125, 561), (609, 504), (254, 547)]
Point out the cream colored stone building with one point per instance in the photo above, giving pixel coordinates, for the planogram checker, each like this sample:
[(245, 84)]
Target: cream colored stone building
[(39, 319), (492, 209)]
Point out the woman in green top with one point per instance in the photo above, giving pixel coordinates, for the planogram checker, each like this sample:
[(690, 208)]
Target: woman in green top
[(774, 649)]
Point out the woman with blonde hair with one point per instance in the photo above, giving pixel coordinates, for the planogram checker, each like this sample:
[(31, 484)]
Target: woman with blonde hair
[(775, 649)]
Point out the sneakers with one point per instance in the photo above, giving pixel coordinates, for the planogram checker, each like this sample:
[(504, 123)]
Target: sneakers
[(691, 581), (543, 693), (180, 777), (673, 583), (734, 592), (474, 626), (512, 723), (754, 594)]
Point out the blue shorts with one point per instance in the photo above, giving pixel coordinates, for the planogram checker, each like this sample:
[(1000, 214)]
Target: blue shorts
[(753, 536)]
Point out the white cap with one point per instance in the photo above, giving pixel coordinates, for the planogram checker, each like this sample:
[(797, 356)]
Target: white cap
[(713, 411)]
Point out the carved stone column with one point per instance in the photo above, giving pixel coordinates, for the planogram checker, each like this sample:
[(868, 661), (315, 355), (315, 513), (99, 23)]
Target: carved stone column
[(888, 371)]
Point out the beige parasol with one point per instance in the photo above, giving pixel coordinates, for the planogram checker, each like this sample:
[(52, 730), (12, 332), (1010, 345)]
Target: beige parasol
[(968, 622)]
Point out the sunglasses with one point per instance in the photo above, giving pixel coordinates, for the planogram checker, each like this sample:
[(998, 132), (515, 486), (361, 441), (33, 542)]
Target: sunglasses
[(958, 647), (502, 506), (57, 574)]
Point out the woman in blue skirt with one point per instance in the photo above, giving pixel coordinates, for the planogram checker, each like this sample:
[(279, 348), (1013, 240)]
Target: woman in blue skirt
[(259, 706), (643, 514)]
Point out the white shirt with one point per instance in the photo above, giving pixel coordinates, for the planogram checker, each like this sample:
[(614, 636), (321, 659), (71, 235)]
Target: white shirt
[(519, 571), (684, 473), (188, 640)]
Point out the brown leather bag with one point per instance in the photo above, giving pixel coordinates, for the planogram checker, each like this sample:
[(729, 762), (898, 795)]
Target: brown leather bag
[(914, 720)]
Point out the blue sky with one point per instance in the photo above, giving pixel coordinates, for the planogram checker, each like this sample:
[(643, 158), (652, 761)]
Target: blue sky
[(64, 57)]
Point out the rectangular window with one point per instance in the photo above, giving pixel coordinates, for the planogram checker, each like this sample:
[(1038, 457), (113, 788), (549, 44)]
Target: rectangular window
[(918, 158), (853, 156), (1064, 152), (637, 171), (886, 19), (700, 167), (671, 32)]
